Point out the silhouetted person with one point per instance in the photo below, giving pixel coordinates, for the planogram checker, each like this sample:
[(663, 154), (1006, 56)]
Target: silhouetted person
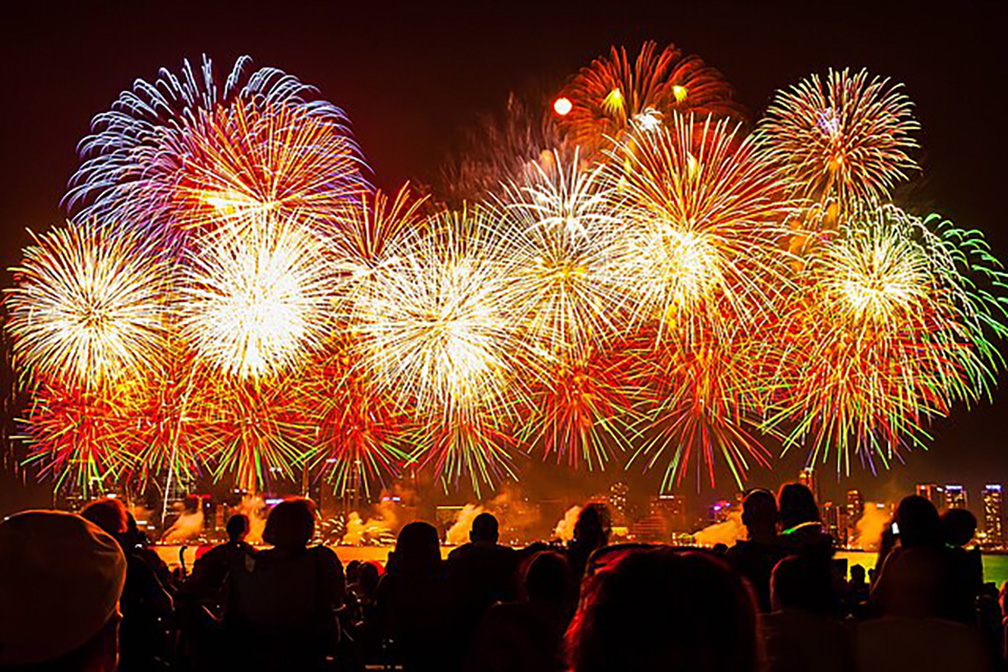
[(411, 600), (211, 569), (527, 636), (857, 588), (480, 573), (591, 532), (802, 534), (797, 634), (801, 527), (755, 557), (282, 601), (146, 605), (138, 545), (663, 610), (916, 577), (958, 528), (61, 578)]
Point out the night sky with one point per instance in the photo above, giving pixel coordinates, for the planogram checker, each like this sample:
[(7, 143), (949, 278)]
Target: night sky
[(413, 77)]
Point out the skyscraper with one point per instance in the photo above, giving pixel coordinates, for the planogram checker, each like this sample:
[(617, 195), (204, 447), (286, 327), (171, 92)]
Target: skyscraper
[(807, 477), (993, 515), (618, 494), (955, 497), (855, 509), (932, 492), (834, 519)]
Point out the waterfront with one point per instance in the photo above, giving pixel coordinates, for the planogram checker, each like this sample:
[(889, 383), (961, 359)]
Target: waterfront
[(995, 566)]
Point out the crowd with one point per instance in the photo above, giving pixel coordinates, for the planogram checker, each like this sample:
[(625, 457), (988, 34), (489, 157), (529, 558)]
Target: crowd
[(84, 593)]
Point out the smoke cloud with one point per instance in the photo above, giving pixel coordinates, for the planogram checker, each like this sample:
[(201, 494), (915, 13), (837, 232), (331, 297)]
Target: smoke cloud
[(186, 526), (252, 506), (869, 528), (458, 533), (564, 530), (728, 532)]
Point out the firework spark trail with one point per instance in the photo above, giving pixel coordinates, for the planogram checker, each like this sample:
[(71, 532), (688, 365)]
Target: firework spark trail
[(613, 95), (706, 399), (86, 306), (845, 138), (567, 254), (183, 153), (359, 433), (439, 332), (77, 436), (884, 335), (257, 302), (705, 220)]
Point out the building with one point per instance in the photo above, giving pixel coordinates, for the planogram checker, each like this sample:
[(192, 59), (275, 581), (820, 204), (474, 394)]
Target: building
[(932, 492), (993, 515), (618, 495), (855, 506), (955, 497), (808, 478), (672, 509), (719, 512), (834, 520)]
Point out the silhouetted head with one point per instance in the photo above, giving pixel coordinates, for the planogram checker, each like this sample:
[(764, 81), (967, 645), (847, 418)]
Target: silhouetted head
[(368, 576), (797, 582), (919, 524), (109, 514), (857, 574), (549, 578), (759, 514), (958, 526), (291, 524), (593, 526), (60, 586), (484, 528), (418, 549), (796, 505), (238, 527), (663, 610)]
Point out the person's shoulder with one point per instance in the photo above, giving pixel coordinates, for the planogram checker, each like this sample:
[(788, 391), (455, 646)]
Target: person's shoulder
[(325, 554)]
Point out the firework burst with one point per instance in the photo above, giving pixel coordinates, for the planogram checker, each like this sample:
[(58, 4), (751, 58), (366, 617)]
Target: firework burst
[(183, 154), (844, 139), (615, 95), (704, 399), (567, 253), (885, 334), (359, 434), (86, 307), (253, 430), (438, 332), (705, 220), (256, 302), (78, 436)]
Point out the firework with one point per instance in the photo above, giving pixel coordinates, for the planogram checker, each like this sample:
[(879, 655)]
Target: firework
[(358, 432), (369, 236), (503, 149), (160, 407), (253, 430), (583, 409), (705, 220), (77, 436), (615, 95), (705, 398), (844, 139), (256, 303), (438, 333), (86, 307), (183, 154), (567, 249), (885, 334)]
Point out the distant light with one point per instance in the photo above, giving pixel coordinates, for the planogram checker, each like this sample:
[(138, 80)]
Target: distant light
[(273, 501), (563, 106), (994, 487)]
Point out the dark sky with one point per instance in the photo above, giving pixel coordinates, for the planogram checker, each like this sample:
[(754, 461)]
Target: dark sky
[(412, 75)]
